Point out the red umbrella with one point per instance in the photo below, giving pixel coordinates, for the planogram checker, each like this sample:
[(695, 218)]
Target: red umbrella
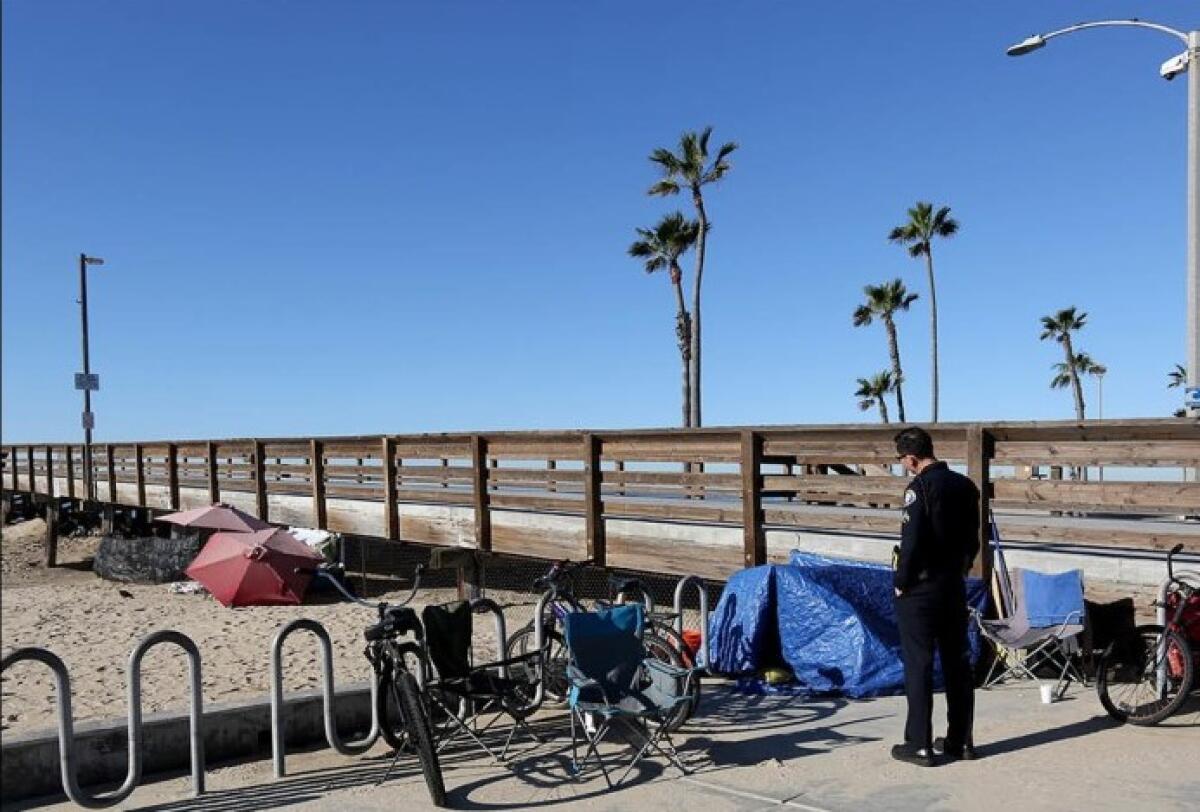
[(254, 569), (217, 517)]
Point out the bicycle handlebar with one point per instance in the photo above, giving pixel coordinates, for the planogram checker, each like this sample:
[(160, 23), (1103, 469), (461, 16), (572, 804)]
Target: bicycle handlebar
[(326, 572)]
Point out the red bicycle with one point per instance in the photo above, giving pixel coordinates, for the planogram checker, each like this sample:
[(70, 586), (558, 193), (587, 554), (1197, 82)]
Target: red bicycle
[(1146, 675)]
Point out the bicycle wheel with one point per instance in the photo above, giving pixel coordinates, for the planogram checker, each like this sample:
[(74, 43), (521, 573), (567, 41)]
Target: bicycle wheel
[(390, 711), (554, 666), (664, 648), (1145, 676), (421, 737)]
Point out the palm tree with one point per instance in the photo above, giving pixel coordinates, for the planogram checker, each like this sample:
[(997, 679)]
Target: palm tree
[(885, 301), (691, 169), (661, 247), (917, 233), (1083, 365), (1177, 378), (872, 392), (1059, 327)]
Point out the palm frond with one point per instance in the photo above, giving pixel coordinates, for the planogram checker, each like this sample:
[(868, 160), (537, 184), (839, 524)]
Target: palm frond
[(663, 188)]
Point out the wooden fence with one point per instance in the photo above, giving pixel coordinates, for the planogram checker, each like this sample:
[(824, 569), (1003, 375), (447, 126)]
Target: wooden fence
[(621, 497)]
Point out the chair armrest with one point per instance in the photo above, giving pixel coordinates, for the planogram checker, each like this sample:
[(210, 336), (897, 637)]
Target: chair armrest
[(667, 668)]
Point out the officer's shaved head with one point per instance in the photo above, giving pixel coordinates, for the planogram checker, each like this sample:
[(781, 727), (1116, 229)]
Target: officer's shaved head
[(915, 441)]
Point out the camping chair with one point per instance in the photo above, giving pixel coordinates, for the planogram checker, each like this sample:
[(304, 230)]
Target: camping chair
[(1041, 630), (615, 684), (465, 694)]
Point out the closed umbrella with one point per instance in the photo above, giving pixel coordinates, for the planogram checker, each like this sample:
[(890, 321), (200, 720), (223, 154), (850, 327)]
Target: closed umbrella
[(255, 569), (217, 517)]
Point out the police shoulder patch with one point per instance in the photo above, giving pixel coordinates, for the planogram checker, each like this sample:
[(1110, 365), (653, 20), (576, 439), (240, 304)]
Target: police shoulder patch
[(910, 496)]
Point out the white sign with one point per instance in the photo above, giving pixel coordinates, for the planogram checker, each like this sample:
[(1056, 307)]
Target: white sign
[(89, 381), (1191, 397), (89, 420)]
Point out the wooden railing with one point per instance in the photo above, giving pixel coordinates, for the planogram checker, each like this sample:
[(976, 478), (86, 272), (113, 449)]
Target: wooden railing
[(840, 479)]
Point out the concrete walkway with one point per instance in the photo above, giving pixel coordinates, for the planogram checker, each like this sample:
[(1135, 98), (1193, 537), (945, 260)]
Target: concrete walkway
[(761, 753)]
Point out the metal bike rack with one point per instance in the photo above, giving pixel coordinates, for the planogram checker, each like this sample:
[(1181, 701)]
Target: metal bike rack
[(680, 588), (488, 605), (539, 642), (331, 733), (66, 726)]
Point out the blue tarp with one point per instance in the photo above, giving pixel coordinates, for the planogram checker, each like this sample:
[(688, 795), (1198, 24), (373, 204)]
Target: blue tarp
[(831, 622)]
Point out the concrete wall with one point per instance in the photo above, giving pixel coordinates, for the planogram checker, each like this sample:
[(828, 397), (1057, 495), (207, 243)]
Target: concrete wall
[(232, 730)]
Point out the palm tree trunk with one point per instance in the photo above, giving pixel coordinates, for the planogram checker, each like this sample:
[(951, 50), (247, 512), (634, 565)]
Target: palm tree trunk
[(702, 218), (897, 373), (683, 334), (933, 333), (1076, 385), (883, 408)]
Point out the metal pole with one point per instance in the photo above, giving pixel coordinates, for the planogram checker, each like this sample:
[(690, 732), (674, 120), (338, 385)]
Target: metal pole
[(89, 486), (1193, 185)]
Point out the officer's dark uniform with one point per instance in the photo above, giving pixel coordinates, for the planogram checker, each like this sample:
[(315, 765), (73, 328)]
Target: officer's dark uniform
[(939, 541)]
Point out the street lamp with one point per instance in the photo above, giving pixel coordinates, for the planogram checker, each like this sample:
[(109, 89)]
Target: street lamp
[(1169, 70), (85, 381)]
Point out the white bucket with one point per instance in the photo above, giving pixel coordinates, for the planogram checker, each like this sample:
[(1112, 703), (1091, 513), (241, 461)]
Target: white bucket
[(1047, 694)]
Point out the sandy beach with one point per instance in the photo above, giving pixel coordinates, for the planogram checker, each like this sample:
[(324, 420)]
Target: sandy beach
[(92, 626)]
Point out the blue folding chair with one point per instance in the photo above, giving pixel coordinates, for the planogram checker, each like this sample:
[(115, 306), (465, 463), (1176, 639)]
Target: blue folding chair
[(615, 684)]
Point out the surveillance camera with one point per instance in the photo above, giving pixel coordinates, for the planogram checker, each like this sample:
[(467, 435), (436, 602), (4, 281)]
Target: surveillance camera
[(1174, 66)]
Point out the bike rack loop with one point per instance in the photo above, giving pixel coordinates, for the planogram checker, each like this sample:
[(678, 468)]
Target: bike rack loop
[(680, 588), (331, 734), (66, 725)]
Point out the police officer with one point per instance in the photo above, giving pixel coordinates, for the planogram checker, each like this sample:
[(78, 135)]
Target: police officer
[(939, 540)]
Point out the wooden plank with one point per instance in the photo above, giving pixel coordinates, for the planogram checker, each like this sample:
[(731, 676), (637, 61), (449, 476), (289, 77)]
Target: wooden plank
[(553, 504), (437, 497), (69, 458), (1150, 538), (50, 471), (676, 479), (260, 481), (483, 517), (1124, 453), (1127, 497), (713, 513), (533, 475), (140, 475), (316, 455), (980, 449), (172, 476), (391, 512), (597, 549), (754, 540)]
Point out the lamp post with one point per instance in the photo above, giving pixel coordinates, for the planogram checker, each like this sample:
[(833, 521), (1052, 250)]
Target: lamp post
[(1099, 370), (89, 484), (1189, 62)]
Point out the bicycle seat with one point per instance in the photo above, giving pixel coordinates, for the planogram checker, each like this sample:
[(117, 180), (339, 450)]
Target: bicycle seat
[(625, 583)]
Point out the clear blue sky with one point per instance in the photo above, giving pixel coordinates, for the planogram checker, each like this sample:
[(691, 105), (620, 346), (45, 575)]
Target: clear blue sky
[(328, 217)]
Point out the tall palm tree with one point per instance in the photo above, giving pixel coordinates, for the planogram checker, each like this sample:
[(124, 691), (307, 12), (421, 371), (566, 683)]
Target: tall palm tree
[(661, 247), (1177, 377), (1082, 365), (917, 233), (691, 168), (1059, 327), (873, 391), (885, 301)]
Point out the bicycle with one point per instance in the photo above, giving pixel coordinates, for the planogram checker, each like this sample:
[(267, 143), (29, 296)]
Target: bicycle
[(559, 588), (1145, 676), (403, 717)]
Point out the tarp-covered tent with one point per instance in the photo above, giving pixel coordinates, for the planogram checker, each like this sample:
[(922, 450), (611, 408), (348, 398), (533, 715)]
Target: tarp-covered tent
[(831, 622)]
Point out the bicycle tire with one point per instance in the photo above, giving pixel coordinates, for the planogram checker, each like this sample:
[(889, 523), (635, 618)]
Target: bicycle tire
[(1129, 669), (554, 667), (661, 648), (421, 737)]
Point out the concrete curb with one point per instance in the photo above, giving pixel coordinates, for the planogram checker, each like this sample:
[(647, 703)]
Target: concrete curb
[(232, 730)]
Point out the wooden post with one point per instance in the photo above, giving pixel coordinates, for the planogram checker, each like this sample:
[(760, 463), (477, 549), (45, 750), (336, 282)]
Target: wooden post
[(70, 462), (173, 475), (754, 540), (50, 544), (29, 462), (493, 464), (597, 546), (551, 484), (49, 471), (111, 465), (479, 471), (139, 473), (12, 460), (391, 513), (214, 481), (260, 481), (317, 475), (980, 449), (620, 470), (445, 474)]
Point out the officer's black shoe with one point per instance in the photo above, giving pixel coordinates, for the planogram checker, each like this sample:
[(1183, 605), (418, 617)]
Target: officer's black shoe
[(911, 754), (966, 752)]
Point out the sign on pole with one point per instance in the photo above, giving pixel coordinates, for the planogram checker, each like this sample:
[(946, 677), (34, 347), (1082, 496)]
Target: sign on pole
[(89, 381), (89, 420), (1191, 397)]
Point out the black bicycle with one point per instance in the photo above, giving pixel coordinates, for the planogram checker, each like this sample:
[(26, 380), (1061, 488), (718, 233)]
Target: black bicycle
[(396, 650), (1146, 675)]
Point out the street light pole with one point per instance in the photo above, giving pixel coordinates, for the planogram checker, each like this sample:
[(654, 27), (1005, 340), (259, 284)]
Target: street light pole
[(89, 484), (1188, 61)]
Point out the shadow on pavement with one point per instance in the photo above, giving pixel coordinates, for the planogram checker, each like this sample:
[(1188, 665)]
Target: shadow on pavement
[(1049, 736)]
